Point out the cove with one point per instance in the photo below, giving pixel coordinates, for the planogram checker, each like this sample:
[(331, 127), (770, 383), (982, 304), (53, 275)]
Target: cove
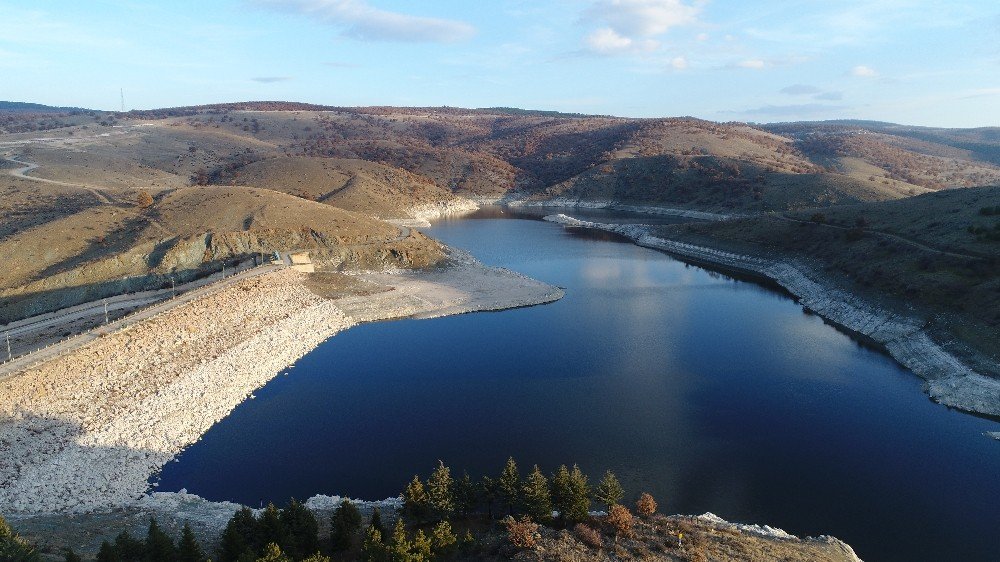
[(714, 394)]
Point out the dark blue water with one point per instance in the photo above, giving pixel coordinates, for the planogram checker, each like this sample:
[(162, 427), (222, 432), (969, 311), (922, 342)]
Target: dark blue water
[(713, 394)]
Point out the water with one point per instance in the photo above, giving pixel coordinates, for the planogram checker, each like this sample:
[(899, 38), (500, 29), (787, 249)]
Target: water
[(713, 394)]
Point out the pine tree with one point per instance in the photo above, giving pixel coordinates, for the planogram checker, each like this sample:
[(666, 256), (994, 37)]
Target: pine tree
[(13, 547), (488, 490), (159, 545), (609, 490), (107, 553), (376, 522), (317, 558), (421, 547), (344, 525), (270, 529), (128, 549), (579, 506), (464, 492), (416, 503), (537, 496), (443, 539), (373, 549), (189, 550), (562, 491), (509, 485), (301, 529), (400, 547), (240, 536), (71, 556), (272, 553), (439, 492)]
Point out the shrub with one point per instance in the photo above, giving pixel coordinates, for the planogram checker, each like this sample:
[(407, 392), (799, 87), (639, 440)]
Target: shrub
[(443, 539), (144, 200), (620, 519), (523, 532), (588, 535), (818, 218), (645, 505)]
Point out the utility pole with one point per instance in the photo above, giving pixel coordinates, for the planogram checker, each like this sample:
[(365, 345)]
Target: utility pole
[(123, 100), (106, 311), (10, 357), (173, 289)]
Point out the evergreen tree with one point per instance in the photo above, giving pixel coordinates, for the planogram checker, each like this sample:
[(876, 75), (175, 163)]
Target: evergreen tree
[(159, 545), (579, 506), (317, 558), (488, 491), (609, 490), (443, 539), (416, 503), (400, 547), (270, 529), (562, 491), (13, 547), (373, 549), (344, 525), (439, 492), (240, 536), (272, 553), (509, 485), (189, 550), (71, 556), (421, 547), (537, 497), (129, 549), (376, 522), (107, 553), (464, 492), (301, 530)]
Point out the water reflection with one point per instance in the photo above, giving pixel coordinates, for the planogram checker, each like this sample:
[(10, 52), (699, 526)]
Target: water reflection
[(713, 394)]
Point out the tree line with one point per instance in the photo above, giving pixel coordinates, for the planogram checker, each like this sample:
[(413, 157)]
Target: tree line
[(427, 527)]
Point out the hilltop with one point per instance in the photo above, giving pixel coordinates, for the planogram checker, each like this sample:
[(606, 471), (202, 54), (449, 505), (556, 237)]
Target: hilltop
[(326, 178)]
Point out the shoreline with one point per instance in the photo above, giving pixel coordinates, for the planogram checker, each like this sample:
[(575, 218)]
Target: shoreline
[(85, 431), (948, 381)]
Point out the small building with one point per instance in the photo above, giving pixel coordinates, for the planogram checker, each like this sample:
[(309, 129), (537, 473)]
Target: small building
[(302, 262)]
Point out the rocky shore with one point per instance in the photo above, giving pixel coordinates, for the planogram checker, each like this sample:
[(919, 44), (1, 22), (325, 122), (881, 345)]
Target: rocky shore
[(948, 380), (84, 432)]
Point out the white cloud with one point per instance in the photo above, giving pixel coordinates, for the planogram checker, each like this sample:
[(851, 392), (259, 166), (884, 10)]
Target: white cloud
[(863, 71), (679, 63), (607, 41), (702, 37), (643, 17), (755, 64), (629, 26), (361, 21)]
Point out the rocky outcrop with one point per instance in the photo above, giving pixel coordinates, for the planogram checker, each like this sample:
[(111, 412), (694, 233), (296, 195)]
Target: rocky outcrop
[(949, 380)]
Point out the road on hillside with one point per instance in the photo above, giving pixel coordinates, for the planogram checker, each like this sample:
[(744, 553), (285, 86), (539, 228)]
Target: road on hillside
[(28, 166), (20, 364), (895, 237)]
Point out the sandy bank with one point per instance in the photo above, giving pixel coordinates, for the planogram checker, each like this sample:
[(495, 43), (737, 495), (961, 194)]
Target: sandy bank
[(948, 380), (85, 431)]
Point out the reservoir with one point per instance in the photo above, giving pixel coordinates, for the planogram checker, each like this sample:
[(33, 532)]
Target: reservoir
[(712, 393)]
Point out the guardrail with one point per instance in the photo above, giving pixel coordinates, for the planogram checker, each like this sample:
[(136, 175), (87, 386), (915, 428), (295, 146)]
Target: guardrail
[(123, 321)]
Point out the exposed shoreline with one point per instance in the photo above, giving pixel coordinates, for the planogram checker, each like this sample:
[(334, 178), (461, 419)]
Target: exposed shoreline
[(948, 380), (84, 432)]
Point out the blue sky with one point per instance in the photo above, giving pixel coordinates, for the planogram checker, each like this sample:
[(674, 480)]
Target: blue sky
[(909, 61)]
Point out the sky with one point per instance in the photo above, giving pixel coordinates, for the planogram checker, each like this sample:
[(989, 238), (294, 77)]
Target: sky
[(916, 62)]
